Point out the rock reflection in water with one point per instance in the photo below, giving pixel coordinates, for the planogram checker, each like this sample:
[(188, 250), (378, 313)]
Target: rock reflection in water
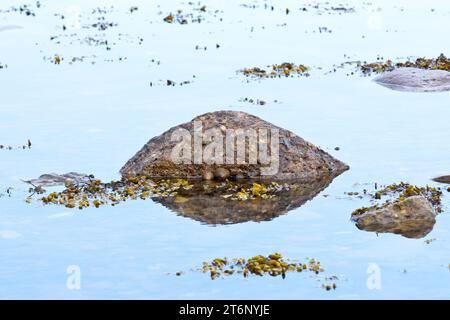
[(414, 229), (210, 204)]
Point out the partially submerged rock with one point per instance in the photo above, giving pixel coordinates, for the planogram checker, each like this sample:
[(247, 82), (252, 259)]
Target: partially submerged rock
[(421, 75), (287, 156), (415, 80), (443, 179), (413, 217), (53, 179), (410, 210)]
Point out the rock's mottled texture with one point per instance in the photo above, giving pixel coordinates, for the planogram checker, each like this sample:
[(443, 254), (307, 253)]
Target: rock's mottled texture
[(415, 79), (210, 205), (442, 179), (298, 159), (413, 217)]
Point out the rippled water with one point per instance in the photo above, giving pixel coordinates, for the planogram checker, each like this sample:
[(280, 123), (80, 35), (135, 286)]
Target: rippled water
[(92, 117)]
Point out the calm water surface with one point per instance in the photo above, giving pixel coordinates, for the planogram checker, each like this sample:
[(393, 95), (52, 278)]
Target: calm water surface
[(91, 117)]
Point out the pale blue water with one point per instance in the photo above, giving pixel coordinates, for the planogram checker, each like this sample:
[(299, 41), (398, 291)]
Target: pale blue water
[(93, 117)]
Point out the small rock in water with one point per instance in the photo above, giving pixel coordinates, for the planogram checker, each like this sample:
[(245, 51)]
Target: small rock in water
[(221, 173), (415, 80), (443, 179), (413, 217), (68, 183), (208, 175), (53, 179)]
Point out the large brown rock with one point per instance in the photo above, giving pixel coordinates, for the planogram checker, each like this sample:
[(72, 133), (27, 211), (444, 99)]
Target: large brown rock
[(298, 159), (413, 217), (415, 80)]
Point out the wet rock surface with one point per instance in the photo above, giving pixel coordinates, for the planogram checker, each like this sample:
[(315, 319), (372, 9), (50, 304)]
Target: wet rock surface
[(415, 80), (215, 203), (298, 159), (413, 217)]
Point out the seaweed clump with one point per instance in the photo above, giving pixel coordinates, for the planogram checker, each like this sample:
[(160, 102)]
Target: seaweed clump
[(286, 69), (260, 265), (360, 211), (25, 9), (398, 192), (377, 67), (196, 15), (27, 145), (440, 63), (95, 193), (406, 190)]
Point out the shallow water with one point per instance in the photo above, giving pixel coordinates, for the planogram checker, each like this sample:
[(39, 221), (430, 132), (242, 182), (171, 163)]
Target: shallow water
[(91, 118)]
